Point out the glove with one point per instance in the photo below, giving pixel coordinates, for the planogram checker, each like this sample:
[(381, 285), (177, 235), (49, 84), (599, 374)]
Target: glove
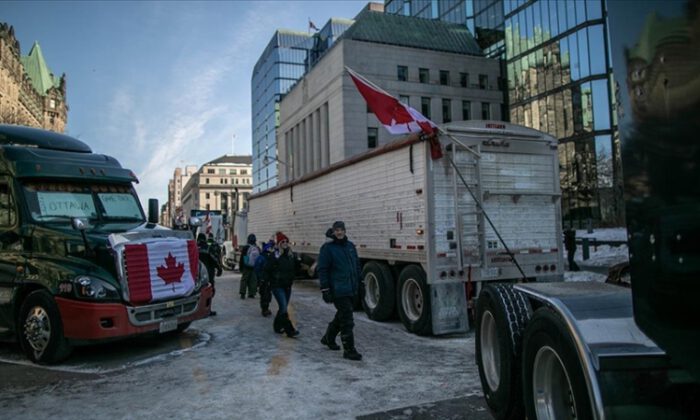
[(327, 297)]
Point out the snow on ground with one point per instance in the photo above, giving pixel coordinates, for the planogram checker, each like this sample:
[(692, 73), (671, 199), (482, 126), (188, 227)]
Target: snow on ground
[(603, 255)]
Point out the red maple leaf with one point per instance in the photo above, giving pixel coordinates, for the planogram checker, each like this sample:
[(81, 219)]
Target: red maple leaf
[(172, 272)]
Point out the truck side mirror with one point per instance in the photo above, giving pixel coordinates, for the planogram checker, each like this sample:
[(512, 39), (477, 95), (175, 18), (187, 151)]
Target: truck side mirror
[(152, 210), (78, 224), (195, 221)]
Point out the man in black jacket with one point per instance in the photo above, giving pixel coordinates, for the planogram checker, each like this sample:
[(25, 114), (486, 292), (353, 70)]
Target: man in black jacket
[(341, 278)]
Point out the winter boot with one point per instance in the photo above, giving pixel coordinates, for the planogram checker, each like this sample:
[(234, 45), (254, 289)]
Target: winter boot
[(328, 338), (349, 351), (278, 323), (266, 312), (289, 327)]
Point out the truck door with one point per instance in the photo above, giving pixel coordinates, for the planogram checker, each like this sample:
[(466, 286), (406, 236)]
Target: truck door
[(10, 249)]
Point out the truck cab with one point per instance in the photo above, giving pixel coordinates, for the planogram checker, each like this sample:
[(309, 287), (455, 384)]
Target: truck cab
[(79, 262)]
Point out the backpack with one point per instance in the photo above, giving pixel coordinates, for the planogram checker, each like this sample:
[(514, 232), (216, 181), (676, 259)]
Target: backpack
[(251, 255)]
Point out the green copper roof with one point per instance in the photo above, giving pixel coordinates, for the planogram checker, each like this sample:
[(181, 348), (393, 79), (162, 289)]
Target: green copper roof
[(38, 71), (658, 31), (408, 31)]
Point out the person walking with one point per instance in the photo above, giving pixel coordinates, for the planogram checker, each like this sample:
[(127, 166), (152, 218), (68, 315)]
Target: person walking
[(570, 246), (210, 262), (340, 276), (280, 269), (248, 256), (263, 281)]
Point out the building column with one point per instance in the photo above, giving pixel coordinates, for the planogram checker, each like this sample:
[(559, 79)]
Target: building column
[(325, 141)]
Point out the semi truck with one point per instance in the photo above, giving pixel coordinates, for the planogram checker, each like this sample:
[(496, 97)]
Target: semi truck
[(594, 350), (79, 261), (428, 231)]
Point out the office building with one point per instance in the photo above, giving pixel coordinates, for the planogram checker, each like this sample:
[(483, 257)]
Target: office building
[(437, 68), (556, 60)]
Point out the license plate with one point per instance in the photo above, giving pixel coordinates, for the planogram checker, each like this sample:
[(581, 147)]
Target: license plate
[(168, 325)]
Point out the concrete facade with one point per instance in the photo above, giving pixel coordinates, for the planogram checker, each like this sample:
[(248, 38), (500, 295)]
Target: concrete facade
[(324, 119), (222, 184)]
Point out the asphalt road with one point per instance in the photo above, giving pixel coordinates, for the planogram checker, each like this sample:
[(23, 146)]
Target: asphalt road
[(234, 366)]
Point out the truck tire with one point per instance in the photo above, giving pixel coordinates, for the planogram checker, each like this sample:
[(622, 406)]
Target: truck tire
[(553, 381), (40, 329), (379, 291), (413, 301), (501, 316)]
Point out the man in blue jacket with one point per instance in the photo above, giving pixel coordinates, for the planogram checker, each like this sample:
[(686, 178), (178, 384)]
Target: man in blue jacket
[(341, 277)]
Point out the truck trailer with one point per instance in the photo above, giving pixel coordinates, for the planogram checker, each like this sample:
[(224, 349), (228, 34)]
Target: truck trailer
[(428, 232)]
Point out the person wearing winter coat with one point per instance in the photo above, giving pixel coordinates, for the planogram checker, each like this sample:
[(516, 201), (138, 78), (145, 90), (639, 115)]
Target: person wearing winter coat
[(248, 256), (340, 276), (209, 261), (280, 269), (264, 282)]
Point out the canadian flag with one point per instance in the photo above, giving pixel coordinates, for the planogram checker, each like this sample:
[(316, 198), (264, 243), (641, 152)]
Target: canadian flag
[(396, 117), (161, 269)]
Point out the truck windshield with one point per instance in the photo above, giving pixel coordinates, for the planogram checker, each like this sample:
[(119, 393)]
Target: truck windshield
[(56, 201)]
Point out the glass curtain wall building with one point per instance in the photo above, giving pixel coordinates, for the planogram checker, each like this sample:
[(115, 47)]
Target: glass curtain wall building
[(281, 64), (559, 80), (287, 57)]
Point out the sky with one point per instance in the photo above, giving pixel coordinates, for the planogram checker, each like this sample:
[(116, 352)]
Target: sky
[(160, 84)]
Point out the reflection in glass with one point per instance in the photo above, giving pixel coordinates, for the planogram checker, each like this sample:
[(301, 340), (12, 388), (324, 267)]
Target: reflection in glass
[(597, 55), (584, 61), (601, 105)]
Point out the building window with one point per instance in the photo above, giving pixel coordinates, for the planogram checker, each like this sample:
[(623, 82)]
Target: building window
[(206, 180), (483, 81), (52, 103), (405, 99), (424, 75), (485, 111), (222, 171), (244, 172), (372, 134), (425, 107), (446, 110), (464, 79), (466, 110), (402, 73), (232, 172), (206, 195), (210, 171), (444, 77), (208, 207)]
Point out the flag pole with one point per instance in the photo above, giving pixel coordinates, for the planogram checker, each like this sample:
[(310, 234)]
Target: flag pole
[(454, 140)]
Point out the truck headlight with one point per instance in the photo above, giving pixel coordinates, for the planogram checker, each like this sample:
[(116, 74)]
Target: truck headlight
[(203, 277), (94, 288)]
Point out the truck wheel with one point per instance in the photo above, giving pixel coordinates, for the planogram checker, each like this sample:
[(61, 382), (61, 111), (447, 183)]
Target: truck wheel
[(379, 291), (553, 381), (40, 329), (501, 316), (413, 301)]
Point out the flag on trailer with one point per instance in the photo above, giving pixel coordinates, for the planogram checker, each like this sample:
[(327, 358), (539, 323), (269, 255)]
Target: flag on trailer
[(160, 270), (396, 117)]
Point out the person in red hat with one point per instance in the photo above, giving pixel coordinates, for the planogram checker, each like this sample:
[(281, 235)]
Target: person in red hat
[(280, 270)]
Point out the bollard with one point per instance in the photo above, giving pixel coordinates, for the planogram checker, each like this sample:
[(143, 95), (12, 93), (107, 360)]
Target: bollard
[(586, 251)]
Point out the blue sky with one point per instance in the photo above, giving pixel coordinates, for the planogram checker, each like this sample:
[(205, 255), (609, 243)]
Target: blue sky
[(160, 84)]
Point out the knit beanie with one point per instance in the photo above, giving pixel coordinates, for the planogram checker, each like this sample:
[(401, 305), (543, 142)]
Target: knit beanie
[(339, 225), (279, 236)]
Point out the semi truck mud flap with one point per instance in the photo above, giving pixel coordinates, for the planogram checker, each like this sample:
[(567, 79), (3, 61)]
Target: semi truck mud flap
[(449, 308)]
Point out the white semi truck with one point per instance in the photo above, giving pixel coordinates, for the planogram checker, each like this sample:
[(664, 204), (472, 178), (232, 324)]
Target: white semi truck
[(427, 231)]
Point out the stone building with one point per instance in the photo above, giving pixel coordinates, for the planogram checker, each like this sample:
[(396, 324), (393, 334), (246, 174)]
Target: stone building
[(436, 67), (30, 94), (223, 184)]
